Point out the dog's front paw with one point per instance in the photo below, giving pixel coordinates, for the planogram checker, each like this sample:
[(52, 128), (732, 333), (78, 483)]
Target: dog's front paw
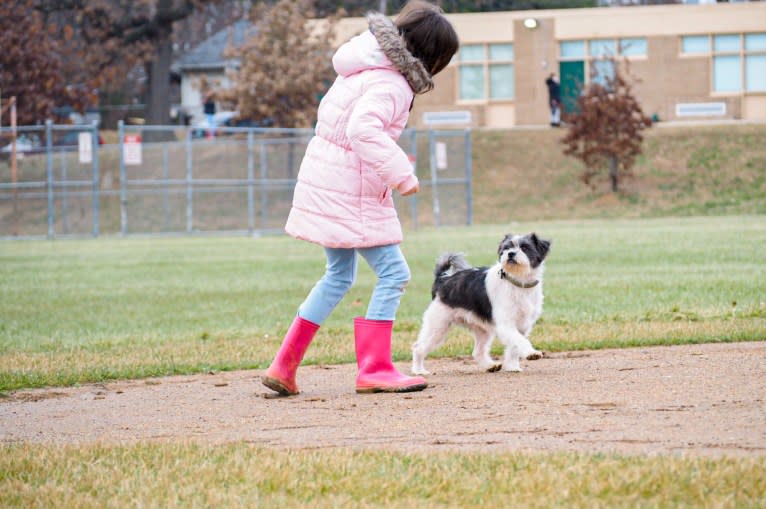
[(420, 371), (535, 355), (512, 366)]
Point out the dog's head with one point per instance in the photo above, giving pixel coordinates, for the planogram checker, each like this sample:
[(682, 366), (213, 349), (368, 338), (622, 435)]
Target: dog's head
[(522, 254)]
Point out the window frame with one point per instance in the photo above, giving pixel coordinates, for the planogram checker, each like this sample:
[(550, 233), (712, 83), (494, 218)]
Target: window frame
[(696, 54), (589, 58), (760, 52), (486, 64), (742, 53)]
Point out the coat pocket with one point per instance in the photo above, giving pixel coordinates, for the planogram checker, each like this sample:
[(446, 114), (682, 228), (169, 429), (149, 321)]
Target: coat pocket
[(384, 194)]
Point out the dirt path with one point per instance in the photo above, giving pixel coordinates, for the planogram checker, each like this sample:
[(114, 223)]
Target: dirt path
[(700, 399)]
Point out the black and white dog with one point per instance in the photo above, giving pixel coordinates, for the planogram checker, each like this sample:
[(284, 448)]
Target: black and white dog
[(504, 300)]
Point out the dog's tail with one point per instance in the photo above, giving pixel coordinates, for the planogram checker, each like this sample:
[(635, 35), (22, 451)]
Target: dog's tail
[(449, 263)]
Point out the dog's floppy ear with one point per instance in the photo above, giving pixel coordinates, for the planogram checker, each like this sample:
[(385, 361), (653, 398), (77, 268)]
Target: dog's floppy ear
[(542, 246)]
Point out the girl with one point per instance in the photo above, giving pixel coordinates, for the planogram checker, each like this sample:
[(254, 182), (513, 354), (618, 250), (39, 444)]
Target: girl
[(342, 200)]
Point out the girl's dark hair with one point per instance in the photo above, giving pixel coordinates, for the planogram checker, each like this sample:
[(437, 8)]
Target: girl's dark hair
[(429, 36)]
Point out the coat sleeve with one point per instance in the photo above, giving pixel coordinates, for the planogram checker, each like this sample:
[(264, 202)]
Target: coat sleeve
[(380, 106)]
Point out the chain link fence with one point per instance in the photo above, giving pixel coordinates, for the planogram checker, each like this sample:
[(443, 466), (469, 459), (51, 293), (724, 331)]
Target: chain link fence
[(166, 180)]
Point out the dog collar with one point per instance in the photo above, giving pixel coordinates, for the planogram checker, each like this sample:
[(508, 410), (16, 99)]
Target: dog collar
[(516, 282)]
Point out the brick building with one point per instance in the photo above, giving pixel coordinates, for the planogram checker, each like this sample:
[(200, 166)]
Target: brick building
[(693, 62)]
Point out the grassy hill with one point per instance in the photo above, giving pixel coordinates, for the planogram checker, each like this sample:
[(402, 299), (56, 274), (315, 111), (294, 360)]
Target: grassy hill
[(710, 170)]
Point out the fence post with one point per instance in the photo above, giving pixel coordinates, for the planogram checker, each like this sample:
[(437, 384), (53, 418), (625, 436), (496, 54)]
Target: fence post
[(189, 183), (434, 183), (250, 180), (469, 176), (49, 155), (123, 180), (262, 185), (64, 194), (414, 197), (96, 180), (165, 187)]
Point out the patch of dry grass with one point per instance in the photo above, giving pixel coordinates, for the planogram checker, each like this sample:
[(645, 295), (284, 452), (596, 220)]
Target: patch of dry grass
[(523, 175), (241, 475)]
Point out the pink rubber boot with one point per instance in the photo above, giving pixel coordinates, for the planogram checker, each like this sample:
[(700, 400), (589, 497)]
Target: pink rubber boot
[(280, 376), (373, 357)]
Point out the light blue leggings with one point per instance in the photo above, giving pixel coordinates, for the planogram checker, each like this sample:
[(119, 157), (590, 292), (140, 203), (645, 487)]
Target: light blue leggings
[(387, 262)]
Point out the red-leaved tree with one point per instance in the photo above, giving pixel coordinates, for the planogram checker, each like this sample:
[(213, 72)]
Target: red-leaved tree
[(605, 130), (30, 67)]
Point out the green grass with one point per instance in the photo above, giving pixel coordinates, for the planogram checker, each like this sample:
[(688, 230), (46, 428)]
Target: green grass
[(241, 475), (94, 310)]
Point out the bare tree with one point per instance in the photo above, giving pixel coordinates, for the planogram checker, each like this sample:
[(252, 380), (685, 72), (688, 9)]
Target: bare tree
[(285, 67), (117, 34), (605, 130)]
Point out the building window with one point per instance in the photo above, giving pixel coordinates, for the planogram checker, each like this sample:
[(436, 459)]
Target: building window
[(726, 73), (755, 62), (472, 71), (572, 50), (599, 52), (695, 44), (603, 48), (727, 76), (486, 71), (501, 76), (738, 60), (633, 47), (583, 61), (726, 43)]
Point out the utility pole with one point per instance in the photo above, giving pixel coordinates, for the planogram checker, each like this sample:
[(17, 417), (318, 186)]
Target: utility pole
[(14, 168), (383, 6)]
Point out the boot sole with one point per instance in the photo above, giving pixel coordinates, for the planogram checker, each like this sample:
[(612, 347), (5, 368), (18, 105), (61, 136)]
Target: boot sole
[(408, 388), (277, 386)]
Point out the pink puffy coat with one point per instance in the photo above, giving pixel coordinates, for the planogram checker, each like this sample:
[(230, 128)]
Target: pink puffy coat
[(343, 195)]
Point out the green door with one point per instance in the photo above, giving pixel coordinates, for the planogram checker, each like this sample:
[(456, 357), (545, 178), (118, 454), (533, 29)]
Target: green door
[(572, 80)]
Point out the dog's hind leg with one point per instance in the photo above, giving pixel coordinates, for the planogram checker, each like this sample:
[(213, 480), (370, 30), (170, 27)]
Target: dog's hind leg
[(432, 334), (481, 350)]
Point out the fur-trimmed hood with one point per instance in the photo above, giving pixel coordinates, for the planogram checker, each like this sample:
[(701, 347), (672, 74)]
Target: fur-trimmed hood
[(382, 46), (395, 48)]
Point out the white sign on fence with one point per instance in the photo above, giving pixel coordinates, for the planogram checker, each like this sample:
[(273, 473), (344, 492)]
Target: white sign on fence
[(132, 149), (441, 155), (85, 147)]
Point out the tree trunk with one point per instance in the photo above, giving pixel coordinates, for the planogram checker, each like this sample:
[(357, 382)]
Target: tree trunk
[(613, 172), (158, 100)]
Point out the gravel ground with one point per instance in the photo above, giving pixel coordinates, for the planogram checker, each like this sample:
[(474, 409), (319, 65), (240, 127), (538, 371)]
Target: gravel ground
[(697, 399)]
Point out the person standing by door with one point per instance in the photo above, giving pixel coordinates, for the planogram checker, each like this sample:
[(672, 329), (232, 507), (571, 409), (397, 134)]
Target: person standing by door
[(209, 109), (554, 99)]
